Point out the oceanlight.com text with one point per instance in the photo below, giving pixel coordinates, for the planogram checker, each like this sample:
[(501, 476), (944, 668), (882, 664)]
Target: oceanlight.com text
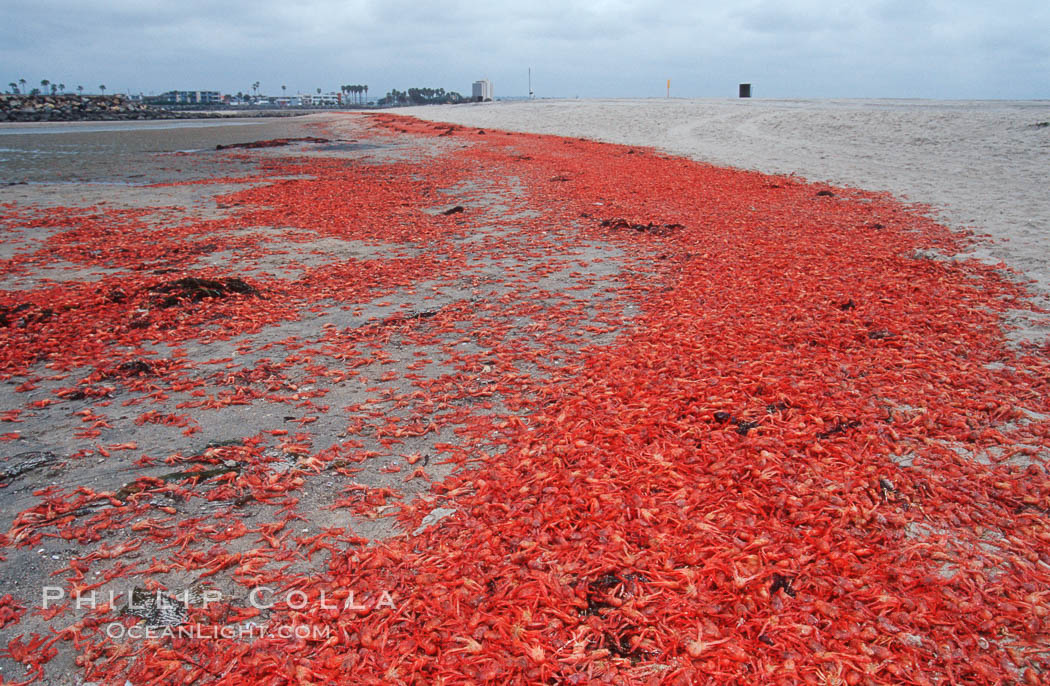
[(241, 632)]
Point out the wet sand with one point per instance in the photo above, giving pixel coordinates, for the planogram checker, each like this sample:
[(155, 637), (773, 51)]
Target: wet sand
[(124, 152)]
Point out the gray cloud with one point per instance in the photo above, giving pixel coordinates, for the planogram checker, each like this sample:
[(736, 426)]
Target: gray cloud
[(615, 48)]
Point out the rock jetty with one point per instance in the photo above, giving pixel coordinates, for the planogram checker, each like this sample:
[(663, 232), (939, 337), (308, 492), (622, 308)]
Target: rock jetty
[(83, 107)]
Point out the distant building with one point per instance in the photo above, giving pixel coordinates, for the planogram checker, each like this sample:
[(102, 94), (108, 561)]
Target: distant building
[(191, 97), (481, 90), (320, 99)]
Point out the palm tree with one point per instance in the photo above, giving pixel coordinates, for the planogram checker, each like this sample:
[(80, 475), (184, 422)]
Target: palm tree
[(255, 87), (80, 90), (45, 83), (102, 87), (366, 92), (14, 87), (54, 88), (22, 83), (62, 87)]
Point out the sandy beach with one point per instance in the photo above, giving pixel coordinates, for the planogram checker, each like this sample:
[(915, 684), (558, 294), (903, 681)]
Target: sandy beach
[(981, 165), (377, 399)]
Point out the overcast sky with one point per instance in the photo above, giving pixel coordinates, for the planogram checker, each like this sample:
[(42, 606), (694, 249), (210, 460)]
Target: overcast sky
[(596, 48)]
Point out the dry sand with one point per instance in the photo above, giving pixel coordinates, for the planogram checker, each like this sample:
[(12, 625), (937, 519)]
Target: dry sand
[(982, 165)]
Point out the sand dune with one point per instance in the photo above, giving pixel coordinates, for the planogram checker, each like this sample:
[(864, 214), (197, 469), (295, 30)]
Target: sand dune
[(982, 165)]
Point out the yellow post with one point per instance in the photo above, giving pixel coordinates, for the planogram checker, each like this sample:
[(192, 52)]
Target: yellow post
[(669, 88)]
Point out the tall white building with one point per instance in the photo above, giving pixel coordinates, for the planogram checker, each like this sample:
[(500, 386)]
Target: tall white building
[(481, 90)]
